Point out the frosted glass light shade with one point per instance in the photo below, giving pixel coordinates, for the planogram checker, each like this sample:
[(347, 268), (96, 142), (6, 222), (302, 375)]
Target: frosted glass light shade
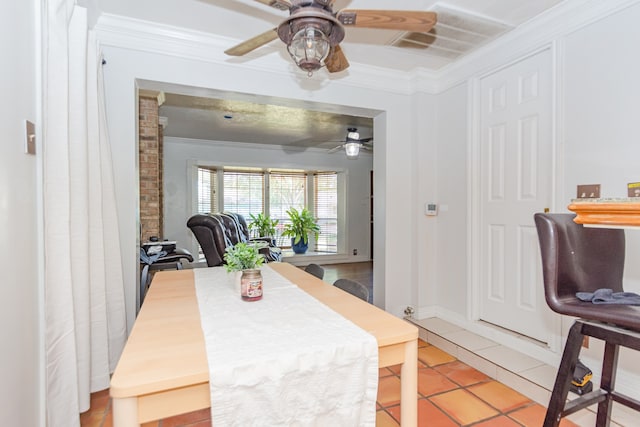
[(352, 149)]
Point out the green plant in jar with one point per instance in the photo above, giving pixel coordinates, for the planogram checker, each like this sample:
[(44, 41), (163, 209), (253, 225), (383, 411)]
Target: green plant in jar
[(243, 256)]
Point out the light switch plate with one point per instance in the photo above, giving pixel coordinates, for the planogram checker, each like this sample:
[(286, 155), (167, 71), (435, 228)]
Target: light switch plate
[(591, 191)]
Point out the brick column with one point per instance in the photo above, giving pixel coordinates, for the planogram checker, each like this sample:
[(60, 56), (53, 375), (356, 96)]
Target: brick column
[(150, 168)]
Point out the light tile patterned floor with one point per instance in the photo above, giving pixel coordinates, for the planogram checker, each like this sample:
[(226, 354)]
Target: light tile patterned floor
[(450, 394)]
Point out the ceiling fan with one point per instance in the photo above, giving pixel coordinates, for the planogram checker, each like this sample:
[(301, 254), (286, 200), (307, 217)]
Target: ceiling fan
[(353, 144), (313, 31)]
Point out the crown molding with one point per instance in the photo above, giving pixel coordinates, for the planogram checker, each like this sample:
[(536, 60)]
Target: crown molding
[(135, 34)]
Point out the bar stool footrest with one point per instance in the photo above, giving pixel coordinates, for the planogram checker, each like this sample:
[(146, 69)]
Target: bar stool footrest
[(625, 400), (584, 401)]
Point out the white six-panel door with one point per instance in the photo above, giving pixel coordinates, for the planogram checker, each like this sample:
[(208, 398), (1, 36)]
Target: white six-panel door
[(515, 182)]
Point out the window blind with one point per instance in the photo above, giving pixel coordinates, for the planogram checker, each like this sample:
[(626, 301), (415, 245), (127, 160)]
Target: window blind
[(286, 190), (207, 190), (326, 210), (244, 193)]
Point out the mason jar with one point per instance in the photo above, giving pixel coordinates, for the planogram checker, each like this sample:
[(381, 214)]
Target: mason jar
[(251, 285)]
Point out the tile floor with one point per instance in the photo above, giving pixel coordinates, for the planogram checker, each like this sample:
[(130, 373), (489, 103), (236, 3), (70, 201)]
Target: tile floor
[(515, 369), (450, 394)]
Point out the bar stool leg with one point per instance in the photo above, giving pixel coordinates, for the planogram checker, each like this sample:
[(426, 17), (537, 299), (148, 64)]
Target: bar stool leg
[(607, 383), (564, 376)]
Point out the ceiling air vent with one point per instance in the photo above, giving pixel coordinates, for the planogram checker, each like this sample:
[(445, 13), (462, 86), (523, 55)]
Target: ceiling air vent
[(456, 33)]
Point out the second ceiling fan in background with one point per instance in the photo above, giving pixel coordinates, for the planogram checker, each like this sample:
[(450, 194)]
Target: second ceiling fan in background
[(313, 31), (353, 143)]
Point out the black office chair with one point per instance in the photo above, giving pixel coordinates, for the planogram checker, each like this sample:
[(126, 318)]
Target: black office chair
[(353, 287), (315, 270), (150, 264), (581, 259), (215, 232)]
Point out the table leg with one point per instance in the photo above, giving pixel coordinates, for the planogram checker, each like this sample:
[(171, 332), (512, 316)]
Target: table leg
[(125, 412), (409, 385)]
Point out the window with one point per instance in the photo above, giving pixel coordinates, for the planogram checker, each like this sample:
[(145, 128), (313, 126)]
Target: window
[(207, 189), (252, 191), (286, 191), (243, 192), (326, 210)]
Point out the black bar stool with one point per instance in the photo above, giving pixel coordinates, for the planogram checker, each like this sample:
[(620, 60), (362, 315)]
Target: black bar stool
[(578, 259)]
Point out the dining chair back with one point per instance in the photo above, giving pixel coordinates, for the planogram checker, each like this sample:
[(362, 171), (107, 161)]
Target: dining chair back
[(353, 287), (315, 270)]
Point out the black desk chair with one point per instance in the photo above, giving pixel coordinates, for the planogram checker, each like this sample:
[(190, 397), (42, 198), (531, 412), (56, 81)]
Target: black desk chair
[(353, 287), (215, 232), (579, 259), (172, 260)]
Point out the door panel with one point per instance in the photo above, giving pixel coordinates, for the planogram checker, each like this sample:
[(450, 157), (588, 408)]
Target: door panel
[(515, 182)]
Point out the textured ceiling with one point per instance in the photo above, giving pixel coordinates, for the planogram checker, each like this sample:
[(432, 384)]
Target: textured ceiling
[(243, 121), (463, 26)]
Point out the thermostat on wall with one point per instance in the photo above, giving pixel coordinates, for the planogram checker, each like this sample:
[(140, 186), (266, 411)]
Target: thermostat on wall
[(431, 209)]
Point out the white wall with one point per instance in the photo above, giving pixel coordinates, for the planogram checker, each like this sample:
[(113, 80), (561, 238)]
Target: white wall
[(180, 153), (394, 207), (425, 163), (452, 196), (20, 259)]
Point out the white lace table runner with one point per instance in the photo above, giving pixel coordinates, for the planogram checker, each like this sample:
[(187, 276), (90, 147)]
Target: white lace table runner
[(285, 360)]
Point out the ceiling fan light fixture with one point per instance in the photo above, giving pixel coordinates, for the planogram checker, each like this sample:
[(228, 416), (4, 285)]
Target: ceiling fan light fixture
[(352, 149), (309, 48)]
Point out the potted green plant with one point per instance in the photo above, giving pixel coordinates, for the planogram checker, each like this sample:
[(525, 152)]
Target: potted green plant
[(243, 256), (246, 258), (263, 225), (302, 225)]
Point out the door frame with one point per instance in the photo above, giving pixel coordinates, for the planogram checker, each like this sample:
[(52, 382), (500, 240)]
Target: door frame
[(474, 249)]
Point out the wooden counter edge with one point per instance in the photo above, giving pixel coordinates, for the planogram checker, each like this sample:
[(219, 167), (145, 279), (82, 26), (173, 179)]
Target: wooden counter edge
[(606, 213)]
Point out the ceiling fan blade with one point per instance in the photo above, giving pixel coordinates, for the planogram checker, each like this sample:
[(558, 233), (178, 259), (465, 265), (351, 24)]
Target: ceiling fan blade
[(363, 140), (404, 20), (278, 4), (253, 43), (334, 149), (367, 147), (336, 61)]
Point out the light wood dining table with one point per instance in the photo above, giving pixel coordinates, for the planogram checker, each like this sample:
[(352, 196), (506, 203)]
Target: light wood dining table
[(163, 370)]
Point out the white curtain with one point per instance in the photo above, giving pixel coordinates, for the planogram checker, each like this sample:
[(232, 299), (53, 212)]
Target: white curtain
[(84, 295)]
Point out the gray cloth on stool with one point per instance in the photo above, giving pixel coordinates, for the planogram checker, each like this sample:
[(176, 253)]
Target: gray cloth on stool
[(150, 259), (607, 296)]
